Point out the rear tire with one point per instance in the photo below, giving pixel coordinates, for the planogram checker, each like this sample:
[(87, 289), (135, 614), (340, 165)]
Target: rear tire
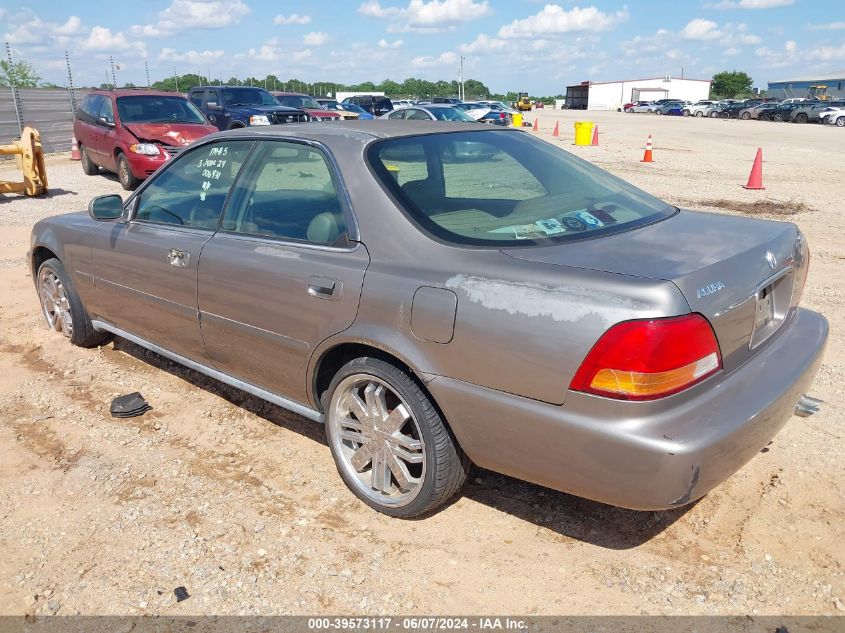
[(389, 442), (124, 174), (658, 112), (686, 112), (801, 118), (778, 118), (62, 308), (840, 122), (699, 114), (89, 168), (746, 116)]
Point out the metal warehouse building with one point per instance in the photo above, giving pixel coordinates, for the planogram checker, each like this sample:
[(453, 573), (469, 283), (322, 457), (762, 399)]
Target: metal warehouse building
[(612, 95), (818, 85)]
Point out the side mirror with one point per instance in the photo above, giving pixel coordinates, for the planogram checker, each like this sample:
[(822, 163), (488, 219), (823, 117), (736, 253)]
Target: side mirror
[(213, 105), (106, 207), (104, 121)]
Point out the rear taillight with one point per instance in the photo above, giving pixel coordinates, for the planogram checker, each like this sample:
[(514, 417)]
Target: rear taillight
[(650, 358)]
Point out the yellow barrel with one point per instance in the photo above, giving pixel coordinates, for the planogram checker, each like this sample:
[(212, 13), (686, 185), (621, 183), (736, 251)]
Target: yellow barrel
[(517, 119), (583, 132)]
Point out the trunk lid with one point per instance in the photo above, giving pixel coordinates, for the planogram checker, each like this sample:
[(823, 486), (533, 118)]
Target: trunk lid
[(743, 274)]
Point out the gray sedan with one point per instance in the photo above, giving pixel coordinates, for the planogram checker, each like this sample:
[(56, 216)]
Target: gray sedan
[(552, 322), (429, 112)]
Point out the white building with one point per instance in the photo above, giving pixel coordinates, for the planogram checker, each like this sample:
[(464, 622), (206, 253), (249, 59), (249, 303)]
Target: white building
[(612, 95), (340, 96)]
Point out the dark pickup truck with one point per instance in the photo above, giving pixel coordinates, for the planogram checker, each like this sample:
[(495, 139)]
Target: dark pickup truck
[(231, 107)]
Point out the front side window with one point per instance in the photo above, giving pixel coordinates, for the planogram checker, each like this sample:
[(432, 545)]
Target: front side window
[(107, 111), (506, 188), (158, 109), (398, 114), (192, 190), (287, 191)]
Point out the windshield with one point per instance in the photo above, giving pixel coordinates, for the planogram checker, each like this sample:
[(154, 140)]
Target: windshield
[(298, 101), (506, 188), (450, 114), (154, 109), (248, 96)]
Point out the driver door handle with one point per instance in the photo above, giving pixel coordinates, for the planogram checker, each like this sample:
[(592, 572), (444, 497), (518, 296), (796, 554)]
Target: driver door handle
[(178, 258)]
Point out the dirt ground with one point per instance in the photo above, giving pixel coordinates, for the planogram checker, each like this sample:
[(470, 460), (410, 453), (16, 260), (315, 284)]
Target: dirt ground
[(239, 502)]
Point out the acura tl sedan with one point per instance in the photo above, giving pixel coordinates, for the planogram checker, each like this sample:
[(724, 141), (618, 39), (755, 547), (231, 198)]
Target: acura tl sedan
[(553, 323)]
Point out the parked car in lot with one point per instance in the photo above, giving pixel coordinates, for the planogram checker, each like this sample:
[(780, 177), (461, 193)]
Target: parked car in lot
[(133, 132), (698, 108), (430, 112), (530, 313), (726, 110), (334, 106), (643, 106), (363, 115), (811, 113), (673, 108), (402, 103), (836, 117), (374, 105), (484, 114), (233, 107), (752, 111), (316, 112)]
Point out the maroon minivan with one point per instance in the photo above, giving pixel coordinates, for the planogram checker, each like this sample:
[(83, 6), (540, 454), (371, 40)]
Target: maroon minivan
[(134, 132)]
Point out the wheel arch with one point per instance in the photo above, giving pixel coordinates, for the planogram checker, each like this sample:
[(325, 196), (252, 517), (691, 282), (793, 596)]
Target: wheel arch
[(39, 255)]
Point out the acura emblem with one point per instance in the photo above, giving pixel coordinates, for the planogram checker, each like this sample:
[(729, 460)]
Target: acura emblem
[(773, 261)]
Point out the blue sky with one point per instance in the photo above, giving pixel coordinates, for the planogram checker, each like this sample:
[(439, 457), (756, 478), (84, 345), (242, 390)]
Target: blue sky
[(514, 45)]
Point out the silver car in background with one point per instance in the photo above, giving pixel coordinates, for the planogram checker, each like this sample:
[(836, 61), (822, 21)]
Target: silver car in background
[(440, 294)]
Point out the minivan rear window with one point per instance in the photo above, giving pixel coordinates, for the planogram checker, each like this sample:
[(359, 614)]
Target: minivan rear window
[(506, 188)]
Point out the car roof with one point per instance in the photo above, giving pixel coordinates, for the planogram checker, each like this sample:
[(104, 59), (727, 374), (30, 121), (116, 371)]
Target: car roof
[(241, 87), (332, 133)]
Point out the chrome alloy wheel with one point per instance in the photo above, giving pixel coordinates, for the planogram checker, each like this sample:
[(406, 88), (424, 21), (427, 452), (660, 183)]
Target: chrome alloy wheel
[(54, 302), (377, 439)]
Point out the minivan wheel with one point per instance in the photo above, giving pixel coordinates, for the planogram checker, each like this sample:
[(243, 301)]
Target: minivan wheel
[(62, 308), (389, 442), (124, 174), (88, 166)]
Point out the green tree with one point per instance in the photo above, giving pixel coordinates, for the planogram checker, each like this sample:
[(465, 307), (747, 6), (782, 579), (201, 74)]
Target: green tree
[(20, 74), (729, 84)]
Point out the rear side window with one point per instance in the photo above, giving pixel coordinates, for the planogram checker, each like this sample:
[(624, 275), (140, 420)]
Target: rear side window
[(196, 98), (288, 192), (90, 108), (192, 190), (502, 188)]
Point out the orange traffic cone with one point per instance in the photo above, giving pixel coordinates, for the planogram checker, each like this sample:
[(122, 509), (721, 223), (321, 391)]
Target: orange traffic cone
[(647, 158), (755, 178), (595, 135), (557, 129), (536, 127), (75, 154)]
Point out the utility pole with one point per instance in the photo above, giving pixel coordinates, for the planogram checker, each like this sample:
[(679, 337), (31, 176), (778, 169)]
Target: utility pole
[(147, 70), (70, 87), (461, 93), (176, 78), (15, 96), (113, 78)]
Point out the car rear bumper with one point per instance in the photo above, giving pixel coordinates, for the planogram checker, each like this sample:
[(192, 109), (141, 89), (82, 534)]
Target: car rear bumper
[(639, 455)]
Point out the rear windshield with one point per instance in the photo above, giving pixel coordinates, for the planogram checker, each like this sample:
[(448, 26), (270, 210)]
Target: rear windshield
[(154, 109), (450, 114), (506, 188)]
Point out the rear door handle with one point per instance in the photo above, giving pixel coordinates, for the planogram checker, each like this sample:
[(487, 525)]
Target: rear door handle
[(325, 288), (178, 258)]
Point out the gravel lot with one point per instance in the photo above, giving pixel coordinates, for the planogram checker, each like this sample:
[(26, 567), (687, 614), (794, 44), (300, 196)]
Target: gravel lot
[(239, 502)]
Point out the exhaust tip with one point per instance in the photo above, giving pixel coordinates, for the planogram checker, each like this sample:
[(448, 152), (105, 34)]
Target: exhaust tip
[(807, 406)]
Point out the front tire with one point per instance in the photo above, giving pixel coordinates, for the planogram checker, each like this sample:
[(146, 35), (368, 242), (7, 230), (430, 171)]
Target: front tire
[(124, 174), (778, 118), (840, 122), (699, 114), (389, 442), (745, 116), (686, 112), (801, 118), (62, 308)]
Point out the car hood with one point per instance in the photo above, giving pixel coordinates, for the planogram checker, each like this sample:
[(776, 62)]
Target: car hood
[(176, 134)]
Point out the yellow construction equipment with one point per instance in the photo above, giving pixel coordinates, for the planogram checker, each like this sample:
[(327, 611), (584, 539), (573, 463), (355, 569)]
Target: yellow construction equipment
[(29, 157), (524, 102), (819, 92)]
